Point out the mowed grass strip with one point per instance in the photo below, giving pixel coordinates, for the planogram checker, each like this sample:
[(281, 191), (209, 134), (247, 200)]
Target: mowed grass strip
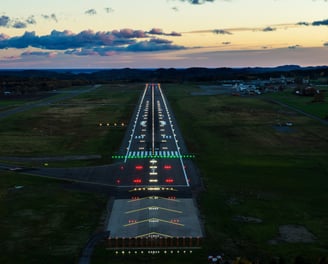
[(304, 103), (40, 221), (72, 126)]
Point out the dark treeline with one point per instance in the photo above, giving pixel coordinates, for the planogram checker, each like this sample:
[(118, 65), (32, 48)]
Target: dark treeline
[(32, 81)]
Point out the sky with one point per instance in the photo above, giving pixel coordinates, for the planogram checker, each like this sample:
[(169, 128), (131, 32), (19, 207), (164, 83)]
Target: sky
[(38, 34)]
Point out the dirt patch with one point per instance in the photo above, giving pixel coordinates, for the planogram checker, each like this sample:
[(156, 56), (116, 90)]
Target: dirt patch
[(293, 234)]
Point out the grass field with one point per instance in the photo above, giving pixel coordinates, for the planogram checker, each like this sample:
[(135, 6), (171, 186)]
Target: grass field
[(250, 167), (304, 103), (45, 222), (71, 126)]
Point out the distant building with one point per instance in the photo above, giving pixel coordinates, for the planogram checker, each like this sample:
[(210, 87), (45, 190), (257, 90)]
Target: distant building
[(246, 88)]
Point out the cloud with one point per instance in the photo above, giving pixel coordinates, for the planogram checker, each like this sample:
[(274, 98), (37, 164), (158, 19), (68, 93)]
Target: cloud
[(50, 17), (82, 52), (226, 43), (268, 29), (303, 24), (91, 12), (221, 32), (231, 31), (61, 40), (30, 20), (294, 46), (158, 31), (39, 53), (129, 33), (4, 21), (197, 2), (109, 10), (160, 41), (91, 52), (53, 17), (174, 8), (320, 23), (174, 34), (19, 24), (11, 58), (325, 44), (88, 42), (142, 46), (153, 45)]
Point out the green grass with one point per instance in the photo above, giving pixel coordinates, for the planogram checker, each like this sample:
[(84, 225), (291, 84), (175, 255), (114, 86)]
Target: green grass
[(71, 126), (43, 221), (278, 177), (6, 103), (304, 103)]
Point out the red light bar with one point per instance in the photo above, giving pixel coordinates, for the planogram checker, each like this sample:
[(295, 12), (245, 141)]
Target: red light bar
[(137, 181), (167, 167), (139, 167), (169, 180)]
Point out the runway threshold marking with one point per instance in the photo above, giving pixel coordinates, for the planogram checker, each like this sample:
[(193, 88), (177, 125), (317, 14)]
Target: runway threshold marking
[(154, 234), (153, 220), (154, 198), (153, 207)]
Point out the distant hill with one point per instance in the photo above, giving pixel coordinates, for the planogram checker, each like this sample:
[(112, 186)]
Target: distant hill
[(195, 74)]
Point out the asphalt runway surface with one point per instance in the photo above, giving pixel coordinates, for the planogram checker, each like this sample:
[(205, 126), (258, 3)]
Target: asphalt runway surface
[(154, 176)]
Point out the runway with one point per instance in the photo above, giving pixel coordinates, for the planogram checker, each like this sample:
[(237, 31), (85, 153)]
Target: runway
[(154, 177)]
